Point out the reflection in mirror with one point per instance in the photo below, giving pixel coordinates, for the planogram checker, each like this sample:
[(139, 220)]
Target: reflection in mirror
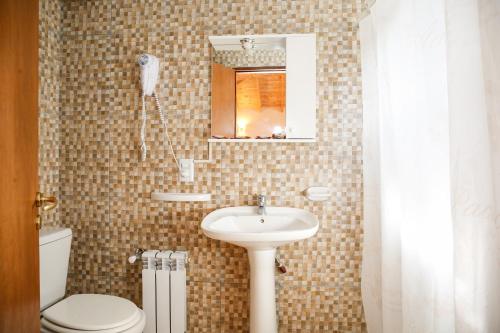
[(249, 91), (260, 103), (250, 58)]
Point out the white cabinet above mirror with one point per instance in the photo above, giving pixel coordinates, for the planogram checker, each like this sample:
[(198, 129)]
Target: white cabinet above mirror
[(263, 88)]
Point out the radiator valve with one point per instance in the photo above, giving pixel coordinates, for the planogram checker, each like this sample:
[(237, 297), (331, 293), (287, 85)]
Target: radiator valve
[(137, 255)]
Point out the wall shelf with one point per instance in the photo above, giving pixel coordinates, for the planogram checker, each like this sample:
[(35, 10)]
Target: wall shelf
[(262, 140), (162, 196)]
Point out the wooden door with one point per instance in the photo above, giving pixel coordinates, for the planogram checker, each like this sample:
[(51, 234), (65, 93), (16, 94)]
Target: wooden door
[(223, 101), (19, 263)]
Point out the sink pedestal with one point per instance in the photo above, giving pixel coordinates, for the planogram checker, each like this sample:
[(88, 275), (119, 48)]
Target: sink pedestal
[(262, 291)]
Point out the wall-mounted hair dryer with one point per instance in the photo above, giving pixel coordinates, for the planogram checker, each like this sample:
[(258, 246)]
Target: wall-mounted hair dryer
[(150, 68)]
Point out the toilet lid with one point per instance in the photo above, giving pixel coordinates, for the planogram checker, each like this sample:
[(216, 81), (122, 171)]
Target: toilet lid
[(132, 327), (92, 312)]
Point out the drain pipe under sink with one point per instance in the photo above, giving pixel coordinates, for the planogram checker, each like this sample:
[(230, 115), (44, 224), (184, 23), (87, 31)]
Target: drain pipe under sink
[(281, 268)]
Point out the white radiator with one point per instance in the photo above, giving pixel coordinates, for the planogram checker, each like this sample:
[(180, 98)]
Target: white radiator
[(164, 291)]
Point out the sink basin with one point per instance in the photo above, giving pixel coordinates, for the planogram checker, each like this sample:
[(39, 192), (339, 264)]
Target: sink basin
[(243, 226), (260, 235)]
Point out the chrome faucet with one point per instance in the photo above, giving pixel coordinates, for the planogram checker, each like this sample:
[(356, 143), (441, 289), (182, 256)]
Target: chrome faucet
[(261, 199)]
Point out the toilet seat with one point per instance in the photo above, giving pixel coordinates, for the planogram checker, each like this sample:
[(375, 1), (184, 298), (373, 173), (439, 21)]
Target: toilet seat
[(93, 313), (48, 327)]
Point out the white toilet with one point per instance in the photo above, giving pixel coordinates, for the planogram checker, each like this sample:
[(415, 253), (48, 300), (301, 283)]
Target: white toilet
[(78, 313)]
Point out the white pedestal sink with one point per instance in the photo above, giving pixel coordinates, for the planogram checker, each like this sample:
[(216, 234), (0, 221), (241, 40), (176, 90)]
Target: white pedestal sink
[(260, 235)]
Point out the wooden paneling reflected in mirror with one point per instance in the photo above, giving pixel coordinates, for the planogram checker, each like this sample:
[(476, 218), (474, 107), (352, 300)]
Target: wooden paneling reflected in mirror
[(223, 101), (260, 102)]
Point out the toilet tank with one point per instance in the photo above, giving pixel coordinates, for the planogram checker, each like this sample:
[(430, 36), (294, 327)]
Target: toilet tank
[(55, 245)]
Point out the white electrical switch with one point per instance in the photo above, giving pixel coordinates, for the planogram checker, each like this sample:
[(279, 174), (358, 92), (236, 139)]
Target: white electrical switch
[(186, 170)]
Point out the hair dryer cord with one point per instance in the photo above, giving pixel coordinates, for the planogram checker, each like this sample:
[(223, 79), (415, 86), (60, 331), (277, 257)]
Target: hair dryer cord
[(164, 122), (144, 148)]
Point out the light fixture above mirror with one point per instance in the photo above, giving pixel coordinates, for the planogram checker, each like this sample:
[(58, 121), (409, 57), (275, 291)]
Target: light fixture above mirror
[(247, 44)]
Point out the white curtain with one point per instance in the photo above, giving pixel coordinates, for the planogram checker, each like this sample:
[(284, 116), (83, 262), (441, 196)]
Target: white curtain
[(431, 112)]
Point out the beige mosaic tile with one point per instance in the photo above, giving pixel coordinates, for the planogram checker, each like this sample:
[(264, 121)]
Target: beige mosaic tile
[(204, 301), (305, 307), (49, 107), (234, 307)]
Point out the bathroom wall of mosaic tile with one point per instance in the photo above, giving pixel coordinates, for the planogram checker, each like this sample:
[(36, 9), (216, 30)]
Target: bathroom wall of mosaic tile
[(105, 189), (50, 31)]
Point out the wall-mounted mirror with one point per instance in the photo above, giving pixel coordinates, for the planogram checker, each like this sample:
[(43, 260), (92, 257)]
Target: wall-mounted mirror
[(263, 87)]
